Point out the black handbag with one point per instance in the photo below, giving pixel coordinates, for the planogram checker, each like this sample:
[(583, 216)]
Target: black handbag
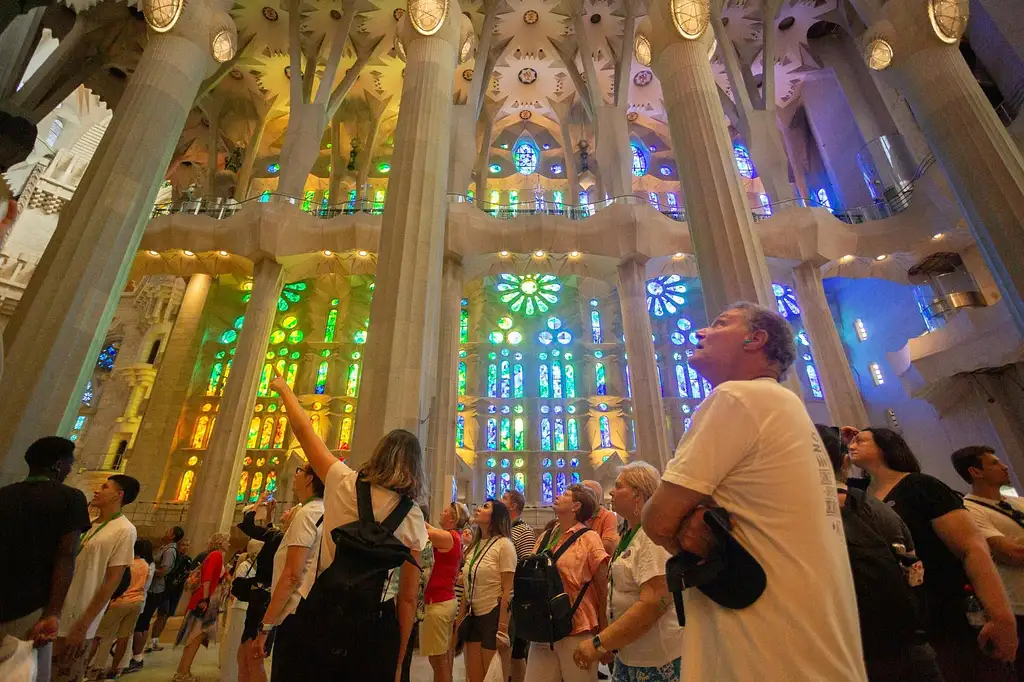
[(242, 586)]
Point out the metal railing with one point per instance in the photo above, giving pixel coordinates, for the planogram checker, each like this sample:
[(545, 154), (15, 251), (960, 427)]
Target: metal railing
[(220, 208), (545, 207)]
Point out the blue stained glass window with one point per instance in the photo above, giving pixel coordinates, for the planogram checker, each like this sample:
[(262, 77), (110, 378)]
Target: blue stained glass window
[(639, 160), (665, 294), (87, 394), (823, 199), (492, 381), (743, 162), (526, 158), (107, 356), (570, 380), (492, 434), (560, 484), (686, 424), (520, 482), (460, 431), (505, 483), (505, 434), (812, 377), (517, 381), (681, 381), (629, 389), (595, 326), (602, 389), (559, 435), (506, 379), (492, 484), (785, 299), (574, 478), (694, 382), (574, 436), (545, 434), (606, 431), (556, 379), (652, 197), (545, 388), (671, 200), (547, 493)]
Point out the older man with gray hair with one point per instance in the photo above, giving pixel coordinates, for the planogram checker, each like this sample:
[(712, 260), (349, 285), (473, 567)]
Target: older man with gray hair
[(753, 450)]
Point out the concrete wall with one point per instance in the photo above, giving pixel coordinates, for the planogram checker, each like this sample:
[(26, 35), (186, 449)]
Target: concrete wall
[(996, 34), (891, 317)]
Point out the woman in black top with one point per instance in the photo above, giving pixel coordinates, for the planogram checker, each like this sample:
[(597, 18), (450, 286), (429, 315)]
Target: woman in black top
[(954, 556)]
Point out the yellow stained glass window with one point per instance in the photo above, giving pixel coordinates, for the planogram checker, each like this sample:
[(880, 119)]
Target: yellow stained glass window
[(266, 433), (254, 433), (185, 487), (243, 485), (199, 433), (282, 425), (346, 433)]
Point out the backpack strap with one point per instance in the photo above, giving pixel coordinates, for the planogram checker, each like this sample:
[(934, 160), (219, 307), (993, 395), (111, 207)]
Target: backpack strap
[(397, 516), (568, 543), (544, 538), (364, 501)]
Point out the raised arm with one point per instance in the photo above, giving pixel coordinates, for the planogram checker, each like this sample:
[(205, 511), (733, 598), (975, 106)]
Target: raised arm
[(317, 453), (441, 539)]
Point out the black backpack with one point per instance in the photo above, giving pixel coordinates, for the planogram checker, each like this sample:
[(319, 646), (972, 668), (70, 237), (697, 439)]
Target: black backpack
[(176, 577), (889, 608), (540, 606), (344, 604)]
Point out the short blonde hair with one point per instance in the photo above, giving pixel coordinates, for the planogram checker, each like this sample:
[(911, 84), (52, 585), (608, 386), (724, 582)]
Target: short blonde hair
[(461, 512), (397, 464), (218, 539), (641, 477)]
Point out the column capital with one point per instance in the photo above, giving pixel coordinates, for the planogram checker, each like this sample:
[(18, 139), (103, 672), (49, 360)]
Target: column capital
[(450, 32), (202, 22), (908, 27), (640, 259), (660, 31)]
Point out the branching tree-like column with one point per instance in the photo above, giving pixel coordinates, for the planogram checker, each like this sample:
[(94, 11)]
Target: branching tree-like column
[(71, 299), (405, 313)]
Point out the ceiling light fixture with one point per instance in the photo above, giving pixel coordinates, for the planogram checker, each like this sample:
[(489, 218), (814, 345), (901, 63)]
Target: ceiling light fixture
[(574, 254), (223, 43), (223, 253), (881, 257), (691, 17), (678, 256), (938, 236), (428, 16), (948, 19), (153, 253), (328, 252), (162, 15), (642, 49), (503, 253), (363, 254), (879, 54), (539, 253), (188, 253)]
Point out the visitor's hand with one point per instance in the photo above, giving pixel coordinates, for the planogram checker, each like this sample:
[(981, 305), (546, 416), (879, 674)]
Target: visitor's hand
[(279, 385), (695, 536), (263, 499), (848, 433), (501, 637), (75, 641), (259, 646), (44, 631), (585, 654), (998, 639)]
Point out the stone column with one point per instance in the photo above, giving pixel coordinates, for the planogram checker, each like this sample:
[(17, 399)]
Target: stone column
[(442, 441), (984, 166), (729, 256), (156, 440), (403, 332), (212, 504), (614, 156), (837, 383), (71, 299), (652, 443)]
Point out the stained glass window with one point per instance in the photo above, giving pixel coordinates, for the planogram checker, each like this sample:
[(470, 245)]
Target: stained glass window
[(492, 380), (265, 375), (665, 294), (823, 199), (570, 380), (545, 434), (279, 367), (307, 200), (513, 201), (560, 484), (378, 200), (574, 478), (185, 487), (545, 386), (520, 482), (332, 322), (629, 388), (528, 293), (766, 203), (785, 299), (108, 355), (321, 378), (254, 433), (314, 421), (289, 378), (215, 374), (87, 394), (560, 435), (462, 378), (266, 433), (505, 483), (352, 198), (506, 379), (243, 485), (595, 326), (639, 160), (346, 433), (652, 197), (556, 379), (279, 431), (517, 381), (547, 488), (556, 196), (352, 383), (506, 434), (199, 433), (491, 484), (606, 431), (671, 198), (812, 377), (271, 482), (526, 157), (681, 382), (574, 434), (460, 431), (495, 200), (602, 388), (519, 433), (257, 484), (743, 162), (492, 434), (464, 326)]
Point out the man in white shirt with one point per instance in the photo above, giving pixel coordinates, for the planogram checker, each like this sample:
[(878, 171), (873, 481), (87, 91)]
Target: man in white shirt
[(104, 552), (294, 570), (1000, 519), (753, 450)]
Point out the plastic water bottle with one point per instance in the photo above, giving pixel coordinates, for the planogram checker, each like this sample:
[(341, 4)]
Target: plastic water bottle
[(976, 616)]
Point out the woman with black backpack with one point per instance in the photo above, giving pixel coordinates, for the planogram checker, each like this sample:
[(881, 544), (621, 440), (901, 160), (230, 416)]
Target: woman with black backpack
[(350, 632)]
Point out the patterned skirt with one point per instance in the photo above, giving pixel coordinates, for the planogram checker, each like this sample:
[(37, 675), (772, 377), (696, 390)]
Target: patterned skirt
[(637, 673)]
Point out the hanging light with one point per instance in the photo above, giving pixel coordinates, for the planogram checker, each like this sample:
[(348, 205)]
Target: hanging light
[(691, 17), (162, 15), (948, 19), (642, 49), (428, 16), (879, 54)]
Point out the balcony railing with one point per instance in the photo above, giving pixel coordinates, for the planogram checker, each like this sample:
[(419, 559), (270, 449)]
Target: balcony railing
[(220, 208)]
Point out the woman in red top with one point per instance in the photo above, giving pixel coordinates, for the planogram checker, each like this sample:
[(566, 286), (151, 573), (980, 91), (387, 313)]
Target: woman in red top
[(439, 595), (200, 626)]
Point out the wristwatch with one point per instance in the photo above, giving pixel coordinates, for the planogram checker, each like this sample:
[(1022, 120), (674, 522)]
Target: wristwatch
[(267, 628), (597, 645)]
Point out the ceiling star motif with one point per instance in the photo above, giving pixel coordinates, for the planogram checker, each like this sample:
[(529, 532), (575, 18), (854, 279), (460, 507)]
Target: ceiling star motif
[(528, 76)]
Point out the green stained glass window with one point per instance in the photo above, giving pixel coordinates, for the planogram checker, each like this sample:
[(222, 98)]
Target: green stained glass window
[(289, 378), (505, 434), (266, 433), (215, 374), (307, 200), (238, 321), (460, 431), (321, 378), (545, 384), (332, 323), (295, 336), (283, 351), (556, 379), (602, 388), (464, 326), (606, 431), (290, 322), (265, 375), (528, 293), (281, 366), (570, 379), (352, 384), (359, 337), (559, 435), (545, 434), (519, 433), (462, 378), (492, 380), (254, 433), (257, 483), (572, 429), (505, 384), (520, 478), (517, 381), (277, 336), (230, 336), (243, 485)]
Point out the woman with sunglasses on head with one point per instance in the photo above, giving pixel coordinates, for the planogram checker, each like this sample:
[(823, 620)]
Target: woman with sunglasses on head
[(439, 596), (955, 557), (487, 576)]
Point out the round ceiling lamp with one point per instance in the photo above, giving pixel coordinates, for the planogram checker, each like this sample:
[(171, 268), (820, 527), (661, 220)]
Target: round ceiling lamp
[(222, 44), (428, 16), (642, 49), (691, 17), (879, 54), (162, 15), (949, 18)]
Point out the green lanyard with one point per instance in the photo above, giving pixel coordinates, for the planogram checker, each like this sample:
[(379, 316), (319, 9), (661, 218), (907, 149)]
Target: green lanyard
[(553, 540), (623, 546), (90, 535), (37, 479)]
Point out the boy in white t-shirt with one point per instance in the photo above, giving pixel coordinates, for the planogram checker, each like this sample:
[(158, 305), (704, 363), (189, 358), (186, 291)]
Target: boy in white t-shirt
[(753, 450), (105, 551)]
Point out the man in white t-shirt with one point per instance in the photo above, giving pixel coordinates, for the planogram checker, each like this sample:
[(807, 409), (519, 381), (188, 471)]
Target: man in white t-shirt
[(104, 552), (1000, 519), (753, 450), (294, 570)]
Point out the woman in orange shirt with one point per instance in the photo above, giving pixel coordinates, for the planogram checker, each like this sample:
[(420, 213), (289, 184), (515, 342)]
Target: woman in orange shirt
[(583, 566)]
